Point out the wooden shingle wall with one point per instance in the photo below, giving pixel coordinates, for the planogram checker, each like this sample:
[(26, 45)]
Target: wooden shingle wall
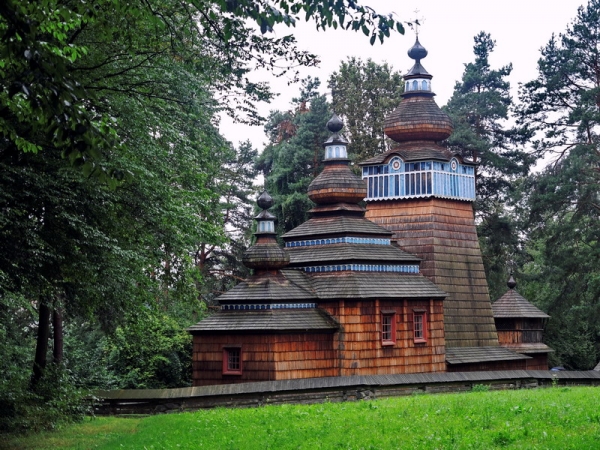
[(361, 350), (443, 233), (304, 355), (265, 357)]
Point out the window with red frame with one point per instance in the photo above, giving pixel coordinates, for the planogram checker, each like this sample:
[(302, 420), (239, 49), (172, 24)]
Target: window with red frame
[(420, 326), (232, 361), (388, 328)]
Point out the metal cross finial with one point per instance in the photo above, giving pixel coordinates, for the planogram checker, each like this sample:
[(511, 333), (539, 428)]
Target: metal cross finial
[(417, 22)]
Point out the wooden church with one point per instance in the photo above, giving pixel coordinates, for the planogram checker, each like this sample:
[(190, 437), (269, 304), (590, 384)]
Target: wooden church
[(398, 287)]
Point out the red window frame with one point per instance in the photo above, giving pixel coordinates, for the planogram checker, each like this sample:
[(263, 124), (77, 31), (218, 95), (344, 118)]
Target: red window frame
[(388, 328), (420, 326), (232, 360)]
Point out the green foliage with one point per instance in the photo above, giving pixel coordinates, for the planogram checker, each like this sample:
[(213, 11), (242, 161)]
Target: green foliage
[(55, 402), (293, 157), (220, 263), (481, 388), (563, 276), (363, 93), (543, 418), (150, 351), (560, 206), (563, 101), (480, 108)]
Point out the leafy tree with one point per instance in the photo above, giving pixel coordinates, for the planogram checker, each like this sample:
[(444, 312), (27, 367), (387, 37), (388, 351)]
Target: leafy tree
[(293, 157), (560, 206), (45, 104), (563, 273), (363, 93), (126, 92)]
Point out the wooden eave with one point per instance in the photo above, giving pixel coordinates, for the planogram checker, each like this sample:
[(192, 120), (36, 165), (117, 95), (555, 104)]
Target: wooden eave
[(285, 286), (413, 151), (278, 320), (350, 253), (334, 226), (373, 285), (528, 348), (471, 355)]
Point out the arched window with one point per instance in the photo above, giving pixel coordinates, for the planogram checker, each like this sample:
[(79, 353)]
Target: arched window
[(424, 85), (415, 85)]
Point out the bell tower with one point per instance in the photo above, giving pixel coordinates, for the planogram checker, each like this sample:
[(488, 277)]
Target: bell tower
[(424, 194)]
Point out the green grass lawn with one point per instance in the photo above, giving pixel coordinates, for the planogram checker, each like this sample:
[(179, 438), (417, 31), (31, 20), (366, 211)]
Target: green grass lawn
[(555, 418)]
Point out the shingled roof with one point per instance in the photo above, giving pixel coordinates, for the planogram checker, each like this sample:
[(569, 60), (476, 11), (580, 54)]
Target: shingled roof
[(339, 225), (469, 355), (269, 320), (285, 285), (357, 285), (325, 254), (514, 305), (415, 151)]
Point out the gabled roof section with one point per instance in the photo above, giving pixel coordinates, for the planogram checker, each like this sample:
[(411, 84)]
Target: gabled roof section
[(285, 285), (271, 320), (364, 285), (514, 305)]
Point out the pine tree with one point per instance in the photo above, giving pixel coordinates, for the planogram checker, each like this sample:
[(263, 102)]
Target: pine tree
[(293, 157), (561, 205), (480, 108)]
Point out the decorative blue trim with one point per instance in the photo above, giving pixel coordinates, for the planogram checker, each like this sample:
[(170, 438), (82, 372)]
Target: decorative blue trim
[(405, 268), (246, 307), (339, 240)]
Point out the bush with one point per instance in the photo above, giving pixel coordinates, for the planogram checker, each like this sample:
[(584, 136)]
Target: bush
[(55, 401), (151, 351)]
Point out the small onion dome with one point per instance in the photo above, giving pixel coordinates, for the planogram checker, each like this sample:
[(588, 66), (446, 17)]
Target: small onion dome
[(417, 51), (266, 253), (336, 183), (511, 283)]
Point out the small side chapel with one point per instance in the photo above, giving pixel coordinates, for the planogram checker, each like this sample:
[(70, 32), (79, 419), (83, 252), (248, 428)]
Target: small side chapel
[(398, 287)]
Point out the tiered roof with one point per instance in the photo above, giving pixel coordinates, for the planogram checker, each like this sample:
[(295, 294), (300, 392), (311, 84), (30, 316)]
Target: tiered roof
[(336, 254)]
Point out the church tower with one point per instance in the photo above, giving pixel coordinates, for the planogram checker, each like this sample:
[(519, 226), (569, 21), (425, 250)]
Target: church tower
[(424, 194)]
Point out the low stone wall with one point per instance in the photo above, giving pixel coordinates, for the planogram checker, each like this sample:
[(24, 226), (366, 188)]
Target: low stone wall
[(332, 389)]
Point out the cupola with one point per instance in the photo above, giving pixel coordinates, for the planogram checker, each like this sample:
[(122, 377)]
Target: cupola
[(336, 183), (418, 117), (265, 254)]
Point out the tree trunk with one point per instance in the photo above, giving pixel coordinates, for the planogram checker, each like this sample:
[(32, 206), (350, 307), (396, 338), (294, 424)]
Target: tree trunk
[(41, 348), (57, 325)]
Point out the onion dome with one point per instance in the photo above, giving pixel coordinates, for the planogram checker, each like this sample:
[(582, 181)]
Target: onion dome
[(511, 283), (336, 183), (418, 117), (266, 254)]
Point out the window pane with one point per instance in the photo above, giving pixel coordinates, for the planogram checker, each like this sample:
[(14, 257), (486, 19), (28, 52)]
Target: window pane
[(387, 327), (418, 326), (233, 359)]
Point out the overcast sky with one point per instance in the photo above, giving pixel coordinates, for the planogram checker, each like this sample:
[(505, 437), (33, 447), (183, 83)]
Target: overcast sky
[(519, 27)]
